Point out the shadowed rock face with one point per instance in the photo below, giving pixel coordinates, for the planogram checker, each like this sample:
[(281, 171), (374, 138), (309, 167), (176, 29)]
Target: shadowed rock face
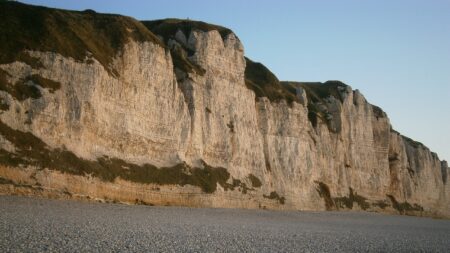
[(170, 112)]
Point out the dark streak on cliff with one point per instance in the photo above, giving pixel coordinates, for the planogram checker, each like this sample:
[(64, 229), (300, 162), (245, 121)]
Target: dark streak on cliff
[(31, 150)]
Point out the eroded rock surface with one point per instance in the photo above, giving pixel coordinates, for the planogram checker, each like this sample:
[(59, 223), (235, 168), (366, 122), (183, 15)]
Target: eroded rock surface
[(186, 119)]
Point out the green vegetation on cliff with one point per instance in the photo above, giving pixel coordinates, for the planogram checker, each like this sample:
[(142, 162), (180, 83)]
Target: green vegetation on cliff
[(265, 84), (167, 28), (32, 151), (69, 33)]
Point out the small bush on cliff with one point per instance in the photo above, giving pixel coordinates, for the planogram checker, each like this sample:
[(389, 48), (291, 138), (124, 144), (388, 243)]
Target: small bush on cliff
[(20, 90), (324, 192), (255, 181), (23, 89), (274, 195)]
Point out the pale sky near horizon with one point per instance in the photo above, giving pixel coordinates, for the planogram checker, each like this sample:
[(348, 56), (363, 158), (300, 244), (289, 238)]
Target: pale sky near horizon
[(397, 53)]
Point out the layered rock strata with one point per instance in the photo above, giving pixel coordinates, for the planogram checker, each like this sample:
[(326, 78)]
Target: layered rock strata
[(178, 116)]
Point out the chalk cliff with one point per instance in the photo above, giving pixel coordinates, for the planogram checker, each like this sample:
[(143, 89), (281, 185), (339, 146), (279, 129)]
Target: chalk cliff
[(170, 112)]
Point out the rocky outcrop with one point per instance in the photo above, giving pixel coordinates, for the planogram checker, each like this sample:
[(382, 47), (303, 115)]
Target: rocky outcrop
[(186, 119)]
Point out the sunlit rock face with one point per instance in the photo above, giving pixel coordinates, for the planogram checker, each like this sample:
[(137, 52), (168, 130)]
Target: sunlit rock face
[(182, 121)]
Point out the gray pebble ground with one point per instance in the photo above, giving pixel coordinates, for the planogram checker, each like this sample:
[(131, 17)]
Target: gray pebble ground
[(37, 225)]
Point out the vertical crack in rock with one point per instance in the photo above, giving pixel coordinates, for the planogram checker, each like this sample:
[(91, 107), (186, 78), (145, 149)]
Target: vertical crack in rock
[(172, 112)]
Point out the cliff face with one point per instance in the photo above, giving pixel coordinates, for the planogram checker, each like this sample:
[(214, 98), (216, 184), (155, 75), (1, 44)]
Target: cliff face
[(186, 119)]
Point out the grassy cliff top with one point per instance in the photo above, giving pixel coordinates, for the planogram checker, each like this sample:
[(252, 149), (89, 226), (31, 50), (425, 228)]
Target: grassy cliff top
[(167, 28), (317, 91), (265, 84), (69, 33)]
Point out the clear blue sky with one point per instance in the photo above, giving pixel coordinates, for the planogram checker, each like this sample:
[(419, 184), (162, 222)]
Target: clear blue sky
[(396, 52)]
